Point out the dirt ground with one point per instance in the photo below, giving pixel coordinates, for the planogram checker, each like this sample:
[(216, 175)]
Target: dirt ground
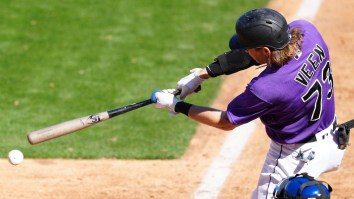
[(178, 179)]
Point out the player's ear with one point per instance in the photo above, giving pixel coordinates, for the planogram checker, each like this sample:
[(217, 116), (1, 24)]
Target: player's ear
[(266, 51)]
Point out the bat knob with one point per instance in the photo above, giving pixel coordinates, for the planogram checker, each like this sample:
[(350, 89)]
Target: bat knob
[(153, 96)]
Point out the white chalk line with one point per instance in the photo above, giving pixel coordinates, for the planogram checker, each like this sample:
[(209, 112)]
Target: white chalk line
[(221, 166), (308, 9)]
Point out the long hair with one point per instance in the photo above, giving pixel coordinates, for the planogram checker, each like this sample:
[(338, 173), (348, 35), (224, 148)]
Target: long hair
[(283, 56)]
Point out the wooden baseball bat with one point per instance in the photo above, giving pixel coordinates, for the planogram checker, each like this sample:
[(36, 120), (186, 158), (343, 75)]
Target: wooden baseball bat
[(71, 126)]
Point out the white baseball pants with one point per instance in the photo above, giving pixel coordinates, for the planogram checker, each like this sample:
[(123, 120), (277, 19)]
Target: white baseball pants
[(285, 160)]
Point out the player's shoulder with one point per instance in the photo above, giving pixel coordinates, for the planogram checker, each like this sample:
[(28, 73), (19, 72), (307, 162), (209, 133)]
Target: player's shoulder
[(301, 23), (273, 85), (264, 86)]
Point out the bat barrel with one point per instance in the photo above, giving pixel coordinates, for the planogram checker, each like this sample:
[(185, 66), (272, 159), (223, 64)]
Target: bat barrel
[(71, 126), (55, 131), (64, 128)]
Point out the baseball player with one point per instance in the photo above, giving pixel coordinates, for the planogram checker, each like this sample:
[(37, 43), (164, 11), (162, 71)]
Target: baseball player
[(293, 96)]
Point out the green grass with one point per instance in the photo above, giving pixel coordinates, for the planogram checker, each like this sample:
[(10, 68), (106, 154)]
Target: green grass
[(66, 59)]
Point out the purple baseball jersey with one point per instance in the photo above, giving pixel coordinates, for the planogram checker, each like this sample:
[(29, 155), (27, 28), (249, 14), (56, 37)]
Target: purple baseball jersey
[(294, 101)]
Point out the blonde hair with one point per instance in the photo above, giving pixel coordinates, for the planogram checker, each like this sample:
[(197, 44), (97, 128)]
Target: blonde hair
[(283, 56)]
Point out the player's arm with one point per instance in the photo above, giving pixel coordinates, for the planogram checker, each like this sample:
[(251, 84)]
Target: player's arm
[(209, 116), (213, 117), (227, 63)]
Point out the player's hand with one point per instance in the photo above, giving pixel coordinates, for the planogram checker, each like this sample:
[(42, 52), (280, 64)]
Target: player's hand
[(165, 99), (189, 84)]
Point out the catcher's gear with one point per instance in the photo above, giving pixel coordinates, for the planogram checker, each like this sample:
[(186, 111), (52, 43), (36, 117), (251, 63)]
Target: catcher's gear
[(230, 62), (344, 133), (302, 186), (261, 27)]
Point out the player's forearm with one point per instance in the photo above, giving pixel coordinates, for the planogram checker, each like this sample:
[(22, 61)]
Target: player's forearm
[(204, 74), (206, 115)]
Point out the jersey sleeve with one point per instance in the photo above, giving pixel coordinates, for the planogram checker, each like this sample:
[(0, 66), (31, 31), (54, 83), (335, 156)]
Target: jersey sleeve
[(246, 107)]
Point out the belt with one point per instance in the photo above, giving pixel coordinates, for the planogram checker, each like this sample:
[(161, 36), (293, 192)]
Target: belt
[(313, 138)]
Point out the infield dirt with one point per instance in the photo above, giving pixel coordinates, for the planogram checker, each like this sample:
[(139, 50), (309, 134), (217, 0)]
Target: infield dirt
[(178, 179)]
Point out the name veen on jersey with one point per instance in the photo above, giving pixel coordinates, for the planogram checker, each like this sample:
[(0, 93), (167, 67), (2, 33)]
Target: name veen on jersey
[(308, 69), (316, 89)]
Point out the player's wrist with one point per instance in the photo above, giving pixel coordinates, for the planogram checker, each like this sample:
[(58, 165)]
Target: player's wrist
[(214, 69), (182, 107), (202, 74)]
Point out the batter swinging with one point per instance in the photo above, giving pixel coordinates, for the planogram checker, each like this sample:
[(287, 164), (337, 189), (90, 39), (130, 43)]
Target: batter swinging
[(293, 96)]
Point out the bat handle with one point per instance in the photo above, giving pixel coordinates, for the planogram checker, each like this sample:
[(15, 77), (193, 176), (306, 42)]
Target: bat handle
[(128, 108)]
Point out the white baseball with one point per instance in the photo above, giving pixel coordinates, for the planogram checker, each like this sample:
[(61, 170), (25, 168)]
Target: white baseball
[(15, 157)]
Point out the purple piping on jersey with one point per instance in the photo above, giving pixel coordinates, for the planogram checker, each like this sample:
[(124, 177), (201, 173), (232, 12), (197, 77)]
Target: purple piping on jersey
[(270, 176)]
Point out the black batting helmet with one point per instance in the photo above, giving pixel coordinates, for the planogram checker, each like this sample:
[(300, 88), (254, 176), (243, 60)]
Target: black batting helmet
[(261, 27)]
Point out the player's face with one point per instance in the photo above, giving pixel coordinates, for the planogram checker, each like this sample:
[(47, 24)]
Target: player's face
[(260, 54)]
